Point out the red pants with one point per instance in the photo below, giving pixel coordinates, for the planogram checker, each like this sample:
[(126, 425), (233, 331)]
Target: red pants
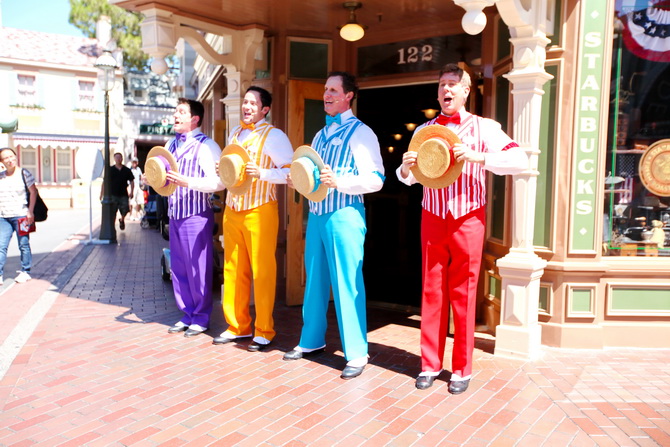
[(451, 255)]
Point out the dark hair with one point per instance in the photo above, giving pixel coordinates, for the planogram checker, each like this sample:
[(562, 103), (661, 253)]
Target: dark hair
[(196, 107), (7, 149), (349, 83), (458, 71), (266, 97)]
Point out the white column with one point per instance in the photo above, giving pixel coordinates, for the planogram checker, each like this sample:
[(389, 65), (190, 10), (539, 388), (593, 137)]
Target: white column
[(237, 83), (519, 334)]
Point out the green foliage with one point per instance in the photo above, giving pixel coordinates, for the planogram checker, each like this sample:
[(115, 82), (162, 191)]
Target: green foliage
[(84, 15)]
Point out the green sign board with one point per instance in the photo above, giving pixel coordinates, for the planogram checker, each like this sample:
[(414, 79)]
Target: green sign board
[(156, 129), (589, 109)]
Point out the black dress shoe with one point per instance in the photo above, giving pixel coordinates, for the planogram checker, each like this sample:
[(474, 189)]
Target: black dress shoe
[(425, 382), (222, 340), (297, 355), (349, 372), (257, 347), (459, 386), (177, 328), (193, 332)]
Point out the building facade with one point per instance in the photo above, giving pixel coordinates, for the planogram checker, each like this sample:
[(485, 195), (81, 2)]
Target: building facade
[(576, 253)]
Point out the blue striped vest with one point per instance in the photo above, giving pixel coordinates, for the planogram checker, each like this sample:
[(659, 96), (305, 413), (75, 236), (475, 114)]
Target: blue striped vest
[(336, 152), (186, 202)]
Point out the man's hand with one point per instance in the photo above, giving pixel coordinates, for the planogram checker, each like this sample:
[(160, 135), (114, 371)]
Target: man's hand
[(177, 178), (462, 152), (408, 162), (252, 169), (328, 177)]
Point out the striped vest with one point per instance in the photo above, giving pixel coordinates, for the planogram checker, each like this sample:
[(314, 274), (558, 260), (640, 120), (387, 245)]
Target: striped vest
[(186, 202), (336, 152), (468, 192), (260, 192)]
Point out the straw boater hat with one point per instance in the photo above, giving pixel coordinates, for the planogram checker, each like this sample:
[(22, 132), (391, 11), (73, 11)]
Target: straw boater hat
[(159, 161), (232, 166), (305, 171), (435, 164)]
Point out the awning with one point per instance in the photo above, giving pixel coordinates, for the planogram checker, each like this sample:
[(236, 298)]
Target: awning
[(72, 142)]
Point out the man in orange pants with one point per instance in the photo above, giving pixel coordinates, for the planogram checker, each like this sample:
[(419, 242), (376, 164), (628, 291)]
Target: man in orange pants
[(251, 223)]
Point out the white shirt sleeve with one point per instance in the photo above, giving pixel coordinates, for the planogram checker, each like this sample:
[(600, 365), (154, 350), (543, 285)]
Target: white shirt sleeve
[(511, 161), (279, 149), (207, 157), (367, 156)]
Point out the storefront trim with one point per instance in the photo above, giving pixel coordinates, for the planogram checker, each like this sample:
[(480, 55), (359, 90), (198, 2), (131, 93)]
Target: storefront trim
[(580, 302), (633, 300), (590, 116)]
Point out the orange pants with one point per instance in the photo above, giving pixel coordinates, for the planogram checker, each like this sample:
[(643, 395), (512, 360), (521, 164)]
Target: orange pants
[(249, 244), (451, 257)]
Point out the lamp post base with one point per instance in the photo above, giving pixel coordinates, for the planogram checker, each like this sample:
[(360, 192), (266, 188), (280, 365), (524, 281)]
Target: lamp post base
[(107, 228)]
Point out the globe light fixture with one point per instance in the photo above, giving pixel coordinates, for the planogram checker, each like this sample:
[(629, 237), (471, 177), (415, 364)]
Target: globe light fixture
[(352, 30), (410, 126), (474, 19)]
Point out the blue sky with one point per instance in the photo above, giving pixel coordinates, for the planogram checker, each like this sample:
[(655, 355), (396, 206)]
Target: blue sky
[(51, 18)]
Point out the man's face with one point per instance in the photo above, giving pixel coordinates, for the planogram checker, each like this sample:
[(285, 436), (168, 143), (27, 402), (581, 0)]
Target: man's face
[(252, 110), (451, 94), (183, 120), (334, 99), (118, 159)]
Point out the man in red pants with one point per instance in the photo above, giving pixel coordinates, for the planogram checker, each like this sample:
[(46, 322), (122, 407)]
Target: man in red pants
[(453, 229)]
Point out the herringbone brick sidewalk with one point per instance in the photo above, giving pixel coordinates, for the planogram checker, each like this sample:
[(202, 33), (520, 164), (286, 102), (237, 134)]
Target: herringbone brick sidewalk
[(101, 370)]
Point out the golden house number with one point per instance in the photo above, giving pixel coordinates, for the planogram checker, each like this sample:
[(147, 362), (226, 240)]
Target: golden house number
[(412, 55)]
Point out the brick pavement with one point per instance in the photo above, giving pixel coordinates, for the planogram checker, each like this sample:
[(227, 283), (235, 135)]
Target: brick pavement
[(100, 370)]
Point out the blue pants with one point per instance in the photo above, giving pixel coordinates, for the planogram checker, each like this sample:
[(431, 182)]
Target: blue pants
[(9, 225), (191, 262), (334, 256)]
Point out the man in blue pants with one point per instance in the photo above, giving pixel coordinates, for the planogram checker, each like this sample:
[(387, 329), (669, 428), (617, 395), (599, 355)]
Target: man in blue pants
[(336, 228)]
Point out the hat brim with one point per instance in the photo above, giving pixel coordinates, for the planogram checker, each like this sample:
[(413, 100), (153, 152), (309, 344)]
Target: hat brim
[(307, 151), (450, 138), (242, 188), (163, 190)]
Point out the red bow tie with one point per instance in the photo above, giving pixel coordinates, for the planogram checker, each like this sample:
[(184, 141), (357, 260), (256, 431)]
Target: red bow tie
[(444, 119), (250, 126)]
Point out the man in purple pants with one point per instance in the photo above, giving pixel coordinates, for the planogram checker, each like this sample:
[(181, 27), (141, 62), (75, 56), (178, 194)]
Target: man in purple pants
[(191, 217)]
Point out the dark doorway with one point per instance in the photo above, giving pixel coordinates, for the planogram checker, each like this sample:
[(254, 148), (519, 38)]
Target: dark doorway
[(392, 266)]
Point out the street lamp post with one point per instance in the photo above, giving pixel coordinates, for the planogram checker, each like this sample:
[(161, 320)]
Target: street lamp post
[(106, 65)]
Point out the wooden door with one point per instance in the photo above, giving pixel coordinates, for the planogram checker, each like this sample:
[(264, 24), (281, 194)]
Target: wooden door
[(305, 118)]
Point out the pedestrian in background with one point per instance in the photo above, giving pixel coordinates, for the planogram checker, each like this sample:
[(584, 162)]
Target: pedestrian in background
[(16, 206), (120, 178), (137, 198)]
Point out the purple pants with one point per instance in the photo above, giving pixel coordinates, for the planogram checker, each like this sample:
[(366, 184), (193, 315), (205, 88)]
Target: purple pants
[(191, 252)]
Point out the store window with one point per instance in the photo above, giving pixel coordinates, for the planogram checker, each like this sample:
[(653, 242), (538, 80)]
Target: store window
[(27, 90), (28, 160), (86, 95), (63, 165), (637, 177)]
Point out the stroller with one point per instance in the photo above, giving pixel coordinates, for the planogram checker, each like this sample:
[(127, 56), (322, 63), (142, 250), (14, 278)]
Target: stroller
[(166, 260), (155, 213), (149, 220)]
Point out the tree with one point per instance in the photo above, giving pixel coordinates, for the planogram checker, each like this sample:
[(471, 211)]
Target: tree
[(84, 15)]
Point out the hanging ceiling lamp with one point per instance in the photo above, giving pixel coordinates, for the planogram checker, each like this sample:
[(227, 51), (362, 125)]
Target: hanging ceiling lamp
[(352, 31)]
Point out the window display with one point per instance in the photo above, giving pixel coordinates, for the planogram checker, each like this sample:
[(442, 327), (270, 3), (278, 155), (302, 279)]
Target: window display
[(637, 177)]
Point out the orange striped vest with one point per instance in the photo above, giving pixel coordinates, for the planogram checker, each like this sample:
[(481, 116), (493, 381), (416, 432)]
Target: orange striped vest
[(260, 192)]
